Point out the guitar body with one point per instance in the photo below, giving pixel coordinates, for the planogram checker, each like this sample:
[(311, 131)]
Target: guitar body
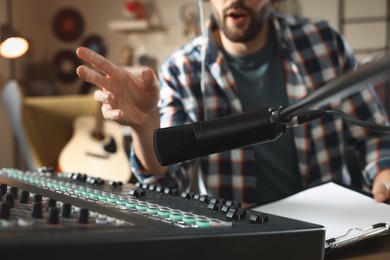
[(97, 153)]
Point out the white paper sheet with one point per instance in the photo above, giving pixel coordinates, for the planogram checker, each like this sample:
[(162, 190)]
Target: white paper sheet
[(333, 206)]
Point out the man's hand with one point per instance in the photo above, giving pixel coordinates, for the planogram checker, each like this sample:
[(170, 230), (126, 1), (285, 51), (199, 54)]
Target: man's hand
[(381, 186), (127, 98)]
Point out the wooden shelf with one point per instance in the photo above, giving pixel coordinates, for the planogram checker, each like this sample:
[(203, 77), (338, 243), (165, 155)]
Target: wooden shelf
[(128, 25)]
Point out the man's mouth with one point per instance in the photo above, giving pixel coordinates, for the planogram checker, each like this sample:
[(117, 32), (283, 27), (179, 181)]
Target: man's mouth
[(237, 16)]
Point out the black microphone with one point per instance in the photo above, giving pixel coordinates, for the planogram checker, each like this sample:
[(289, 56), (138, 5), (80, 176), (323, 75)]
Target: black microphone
[(181, 143)]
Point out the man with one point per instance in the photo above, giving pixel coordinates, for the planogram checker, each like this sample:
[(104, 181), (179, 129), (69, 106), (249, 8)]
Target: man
[(255, 58)]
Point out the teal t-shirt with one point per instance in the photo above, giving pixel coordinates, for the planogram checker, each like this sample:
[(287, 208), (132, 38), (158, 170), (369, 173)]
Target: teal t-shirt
[(260, 81)]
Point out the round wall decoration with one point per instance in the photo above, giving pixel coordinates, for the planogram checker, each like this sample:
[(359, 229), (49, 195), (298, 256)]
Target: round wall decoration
[(68, 24), (96, 43), (65, 63)]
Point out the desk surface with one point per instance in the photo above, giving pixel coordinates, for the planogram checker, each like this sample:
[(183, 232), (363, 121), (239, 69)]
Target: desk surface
[(370, 250)]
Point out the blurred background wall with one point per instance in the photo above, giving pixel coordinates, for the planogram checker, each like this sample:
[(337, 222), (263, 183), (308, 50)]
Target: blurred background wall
[(171, 25)]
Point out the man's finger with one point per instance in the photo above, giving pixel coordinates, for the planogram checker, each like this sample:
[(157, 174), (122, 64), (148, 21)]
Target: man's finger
[(380, 192), (149, 77), (110, 113), (103, 96), (91, 76), (96, 60)]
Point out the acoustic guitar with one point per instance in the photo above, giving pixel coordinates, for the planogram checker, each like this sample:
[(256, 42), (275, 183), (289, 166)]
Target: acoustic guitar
[(96, 148)]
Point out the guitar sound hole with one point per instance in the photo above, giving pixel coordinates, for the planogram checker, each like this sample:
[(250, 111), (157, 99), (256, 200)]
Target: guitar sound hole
[(98, 136)]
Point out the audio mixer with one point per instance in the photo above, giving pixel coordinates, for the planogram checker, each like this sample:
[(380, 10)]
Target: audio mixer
[(51, 215)]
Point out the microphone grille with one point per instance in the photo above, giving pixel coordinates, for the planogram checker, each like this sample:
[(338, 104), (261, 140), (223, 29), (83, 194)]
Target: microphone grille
[(174, 144)]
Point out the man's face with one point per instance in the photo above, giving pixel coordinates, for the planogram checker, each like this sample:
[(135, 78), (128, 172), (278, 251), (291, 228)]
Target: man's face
[(241, 20)]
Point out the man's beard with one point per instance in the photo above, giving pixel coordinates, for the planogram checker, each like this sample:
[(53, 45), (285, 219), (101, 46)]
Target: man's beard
[(258, 20)]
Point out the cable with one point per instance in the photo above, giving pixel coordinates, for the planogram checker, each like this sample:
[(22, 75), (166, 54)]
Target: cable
[(368, 125), (203, 56), (196, 174), (301, 118)]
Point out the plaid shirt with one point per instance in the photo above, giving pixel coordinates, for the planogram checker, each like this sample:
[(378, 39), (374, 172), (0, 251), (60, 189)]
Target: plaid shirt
[(312, 55)]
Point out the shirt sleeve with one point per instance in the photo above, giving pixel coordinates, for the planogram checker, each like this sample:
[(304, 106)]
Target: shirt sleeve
[(172, 112)]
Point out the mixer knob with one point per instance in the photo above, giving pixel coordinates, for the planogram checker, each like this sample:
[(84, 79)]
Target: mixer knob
[(79, 177), (83, 177), (99, 182), (66, 210), (214, 200), (236, 213), (5, 210), (137, 192), (83, 216), (3, 188), (44, 169), (14, 191), (259, 218), (204, 198), (225, 209), (24, 197), (54, 216), (75, 176), (185, 195), (115, 184), (215, 206), (38, 198), (241, 213), (159, 188), (9, 197), (36, 210), (52, 203), (232, 215), (233, 203)]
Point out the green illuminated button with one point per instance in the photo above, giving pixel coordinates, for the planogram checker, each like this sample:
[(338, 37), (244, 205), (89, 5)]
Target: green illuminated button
[(121, 202), (164, 213), (202, 222), (176, 216), (86, 193), (152, 210), (103, 197), (141, 207), (94, 195), (131, 204), (64, 188), (189, 219), (112, 199), (78, 192)]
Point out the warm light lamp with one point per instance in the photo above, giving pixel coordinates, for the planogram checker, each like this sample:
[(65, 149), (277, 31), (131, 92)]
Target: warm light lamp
[(12, 45)]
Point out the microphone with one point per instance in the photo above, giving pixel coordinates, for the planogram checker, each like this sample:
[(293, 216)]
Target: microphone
[(181, 143)]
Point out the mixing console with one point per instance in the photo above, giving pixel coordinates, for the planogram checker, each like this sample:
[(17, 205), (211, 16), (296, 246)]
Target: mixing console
[(45, 214)]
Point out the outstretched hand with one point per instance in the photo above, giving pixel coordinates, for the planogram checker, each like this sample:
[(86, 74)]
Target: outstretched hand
[(126, 98)]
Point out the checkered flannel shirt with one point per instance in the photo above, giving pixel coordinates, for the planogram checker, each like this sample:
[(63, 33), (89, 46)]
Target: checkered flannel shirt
[(312, 54)]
